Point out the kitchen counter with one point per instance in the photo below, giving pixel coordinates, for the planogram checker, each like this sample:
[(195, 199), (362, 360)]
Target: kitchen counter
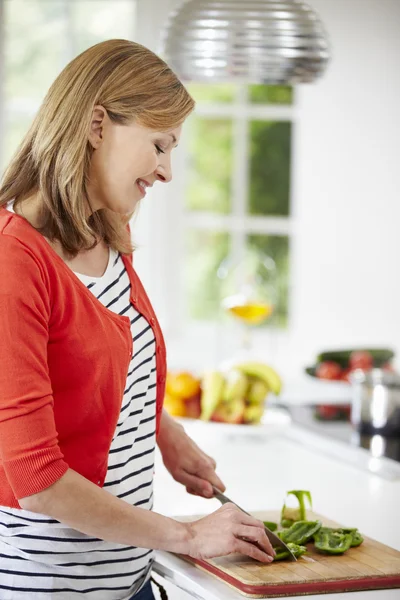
[(257, 471)]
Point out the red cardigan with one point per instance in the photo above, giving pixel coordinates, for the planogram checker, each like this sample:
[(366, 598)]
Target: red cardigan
[(64, 359)]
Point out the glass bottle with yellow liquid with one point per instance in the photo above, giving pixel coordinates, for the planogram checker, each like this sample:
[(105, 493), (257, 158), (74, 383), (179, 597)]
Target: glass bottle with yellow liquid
[(248, 292)]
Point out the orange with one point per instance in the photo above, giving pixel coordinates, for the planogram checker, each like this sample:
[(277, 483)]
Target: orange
[(182, 384), (174, 406)]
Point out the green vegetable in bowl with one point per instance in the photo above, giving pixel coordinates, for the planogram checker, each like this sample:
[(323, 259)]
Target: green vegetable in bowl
[(300, 532), (297, 550), (380, 356), (291, 515)]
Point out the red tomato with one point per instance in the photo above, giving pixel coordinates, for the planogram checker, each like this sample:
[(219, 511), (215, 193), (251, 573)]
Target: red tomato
[(329, 370), (361, 360), (345, 376), (326, 411), (333, 412)]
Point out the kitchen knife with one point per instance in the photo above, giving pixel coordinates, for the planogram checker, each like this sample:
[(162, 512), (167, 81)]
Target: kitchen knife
[(274, 539)]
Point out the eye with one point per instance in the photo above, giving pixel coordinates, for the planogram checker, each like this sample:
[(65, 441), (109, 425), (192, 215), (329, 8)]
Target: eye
[(159, 150)]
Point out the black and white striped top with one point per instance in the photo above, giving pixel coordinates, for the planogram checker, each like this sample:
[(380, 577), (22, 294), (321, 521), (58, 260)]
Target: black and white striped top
[(42, 559)]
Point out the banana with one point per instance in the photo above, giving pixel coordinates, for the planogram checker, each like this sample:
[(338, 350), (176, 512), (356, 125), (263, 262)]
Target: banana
[(257, 392), (253, 414), (213, 384), (262, 371), (235, 386)]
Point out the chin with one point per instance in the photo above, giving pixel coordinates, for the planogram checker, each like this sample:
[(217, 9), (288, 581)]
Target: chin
[(124, 208)]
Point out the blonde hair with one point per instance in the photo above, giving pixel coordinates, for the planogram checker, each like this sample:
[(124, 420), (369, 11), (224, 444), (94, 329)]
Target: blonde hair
[(131, 83)]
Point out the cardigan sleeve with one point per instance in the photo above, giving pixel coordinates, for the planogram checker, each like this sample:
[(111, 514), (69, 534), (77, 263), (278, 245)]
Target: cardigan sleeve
[(29, 450)]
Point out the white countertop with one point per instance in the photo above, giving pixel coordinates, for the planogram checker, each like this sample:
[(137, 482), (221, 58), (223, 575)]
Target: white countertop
[(257, 472)]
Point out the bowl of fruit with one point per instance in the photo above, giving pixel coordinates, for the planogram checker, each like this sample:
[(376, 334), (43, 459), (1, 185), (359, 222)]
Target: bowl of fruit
[(235, 395)]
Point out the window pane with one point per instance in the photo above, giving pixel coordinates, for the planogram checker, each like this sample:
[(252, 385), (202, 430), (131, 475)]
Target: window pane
[(277, 247), (269, 168), (206, 92), (33, 47), (270, 94), (205, 250), (210, 165), (98, 20)]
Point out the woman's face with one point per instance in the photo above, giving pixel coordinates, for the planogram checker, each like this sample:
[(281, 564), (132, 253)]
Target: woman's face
[(126, 160)]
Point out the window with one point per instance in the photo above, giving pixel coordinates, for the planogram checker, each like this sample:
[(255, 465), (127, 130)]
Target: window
[(39, 38), (237, 190)]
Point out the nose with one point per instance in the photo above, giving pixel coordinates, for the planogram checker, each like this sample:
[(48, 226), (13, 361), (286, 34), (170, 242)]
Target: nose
[(164, 171)]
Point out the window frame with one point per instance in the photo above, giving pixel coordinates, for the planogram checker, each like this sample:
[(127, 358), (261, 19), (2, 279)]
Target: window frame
[(238, 224)]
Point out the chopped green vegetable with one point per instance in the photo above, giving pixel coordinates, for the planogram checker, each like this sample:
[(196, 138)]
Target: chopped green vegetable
[(300, 532), (291, 515), (297, 550), (356, 537), (271, 525), (332, 542), (287, 522)]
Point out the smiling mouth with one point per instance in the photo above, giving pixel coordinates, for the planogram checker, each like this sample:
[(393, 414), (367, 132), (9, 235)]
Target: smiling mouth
[(142, 185)]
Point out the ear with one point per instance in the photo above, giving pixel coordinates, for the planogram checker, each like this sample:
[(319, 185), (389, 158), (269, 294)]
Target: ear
[(97, 124)]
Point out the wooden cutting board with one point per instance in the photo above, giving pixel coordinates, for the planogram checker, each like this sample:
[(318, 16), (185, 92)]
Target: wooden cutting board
[(370, 566)]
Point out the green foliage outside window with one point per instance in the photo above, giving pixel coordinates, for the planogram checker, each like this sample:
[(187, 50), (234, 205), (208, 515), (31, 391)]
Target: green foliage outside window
[(223, 92), (270, 94), (210, 164), (269, 150)]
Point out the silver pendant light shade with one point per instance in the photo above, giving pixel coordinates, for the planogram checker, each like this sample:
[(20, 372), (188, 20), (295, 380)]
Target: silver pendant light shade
[(252, 41)]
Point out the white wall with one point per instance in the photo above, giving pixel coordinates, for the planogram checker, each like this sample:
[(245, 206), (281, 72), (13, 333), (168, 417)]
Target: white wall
[(345, 199)]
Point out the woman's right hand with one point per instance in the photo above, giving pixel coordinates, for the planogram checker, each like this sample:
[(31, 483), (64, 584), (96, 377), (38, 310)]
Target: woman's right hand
[(226, 531)]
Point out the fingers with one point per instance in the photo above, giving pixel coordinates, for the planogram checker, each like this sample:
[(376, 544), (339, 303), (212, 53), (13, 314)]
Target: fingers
[(259, 525), (212, 461), (202, 477), (257, 536), (206, 470), (196, 485), (252, 550), (215, 480)]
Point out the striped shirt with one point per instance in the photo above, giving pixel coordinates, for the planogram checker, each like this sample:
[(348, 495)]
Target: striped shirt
[(43, 559)]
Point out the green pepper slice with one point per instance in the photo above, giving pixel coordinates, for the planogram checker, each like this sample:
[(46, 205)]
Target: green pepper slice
[(332, 542), (356, 537), (271, 525), (291, 515), (300, 532), (281, 553)]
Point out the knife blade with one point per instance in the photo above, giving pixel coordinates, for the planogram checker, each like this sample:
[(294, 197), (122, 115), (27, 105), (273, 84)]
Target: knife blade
[(273, 538)]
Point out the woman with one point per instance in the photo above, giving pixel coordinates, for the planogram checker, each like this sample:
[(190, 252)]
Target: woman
[(83, 358)]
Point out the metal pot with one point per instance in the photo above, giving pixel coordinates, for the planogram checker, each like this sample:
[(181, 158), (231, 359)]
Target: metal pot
[(375, 402)]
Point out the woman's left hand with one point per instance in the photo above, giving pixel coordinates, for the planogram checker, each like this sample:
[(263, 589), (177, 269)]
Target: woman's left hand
[(186, 462)]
